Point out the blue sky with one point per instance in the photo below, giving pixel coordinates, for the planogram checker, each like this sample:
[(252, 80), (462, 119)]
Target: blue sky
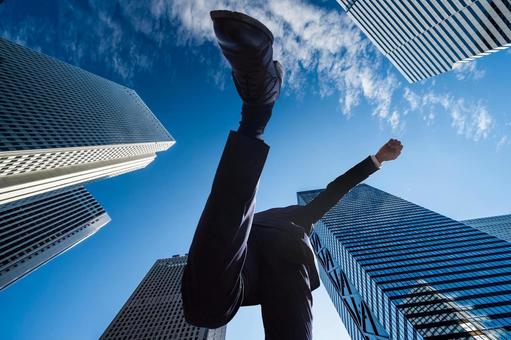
[(342, 100)]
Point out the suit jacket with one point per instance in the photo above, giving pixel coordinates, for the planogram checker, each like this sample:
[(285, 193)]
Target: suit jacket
[(291, 226)]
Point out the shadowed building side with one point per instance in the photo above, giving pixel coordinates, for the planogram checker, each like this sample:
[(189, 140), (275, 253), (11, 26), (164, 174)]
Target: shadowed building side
[(62, 126), (39, 228), (413, 272), (155, 309)]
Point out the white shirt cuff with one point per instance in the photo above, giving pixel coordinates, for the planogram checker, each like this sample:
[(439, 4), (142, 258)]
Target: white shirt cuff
[(375, 161)]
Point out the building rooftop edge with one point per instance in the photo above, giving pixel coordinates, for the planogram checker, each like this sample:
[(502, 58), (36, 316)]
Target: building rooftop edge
[(316, 190)]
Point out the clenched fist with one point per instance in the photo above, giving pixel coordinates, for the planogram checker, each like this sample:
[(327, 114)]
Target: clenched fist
[(390, 151)]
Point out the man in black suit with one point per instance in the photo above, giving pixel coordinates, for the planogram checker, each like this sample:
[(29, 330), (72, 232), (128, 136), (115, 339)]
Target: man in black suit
[(238, 258)]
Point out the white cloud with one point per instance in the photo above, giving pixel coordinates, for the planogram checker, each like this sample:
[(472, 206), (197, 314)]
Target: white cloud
[(412, 98), (25, 33), (504, 141), (322, 50), (468, 118), (395, 121), (310, 42), (468, 70), (483, 123), (93, 31)]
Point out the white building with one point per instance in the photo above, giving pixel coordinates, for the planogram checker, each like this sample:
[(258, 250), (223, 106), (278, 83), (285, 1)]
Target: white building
[(426, 38), (62, 126)]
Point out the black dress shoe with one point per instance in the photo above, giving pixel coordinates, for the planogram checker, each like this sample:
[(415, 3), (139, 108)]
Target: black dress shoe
[(247, 45)]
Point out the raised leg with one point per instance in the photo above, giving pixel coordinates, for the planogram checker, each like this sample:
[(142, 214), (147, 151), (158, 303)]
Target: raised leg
[(212, 285), (286, 301)]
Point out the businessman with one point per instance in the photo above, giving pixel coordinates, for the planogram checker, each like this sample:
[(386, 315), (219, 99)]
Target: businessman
[(239, 258)]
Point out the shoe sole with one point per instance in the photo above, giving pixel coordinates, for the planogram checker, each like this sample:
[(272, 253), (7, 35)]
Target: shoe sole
[(224, 14)]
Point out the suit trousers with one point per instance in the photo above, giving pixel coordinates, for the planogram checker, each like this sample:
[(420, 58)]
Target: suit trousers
[(228, 263)]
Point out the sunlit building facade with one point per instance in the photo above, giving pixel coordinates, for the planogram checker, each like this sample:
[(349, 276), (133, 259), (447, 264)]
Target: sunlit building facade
[(426, 38), (34, 230), (395, 270), (61, 126), (155, 309)]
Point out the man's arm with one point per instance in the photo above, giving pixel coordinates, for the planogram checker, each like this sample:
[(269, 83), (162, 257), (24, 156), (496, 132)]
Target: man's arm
[(336, 189)]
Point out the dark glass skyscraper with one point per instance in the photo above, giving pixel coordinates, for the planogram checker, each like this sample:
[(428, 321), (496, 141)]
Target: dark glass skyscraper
[(395, 270), (155, 309), (62, 126), (36, 229)]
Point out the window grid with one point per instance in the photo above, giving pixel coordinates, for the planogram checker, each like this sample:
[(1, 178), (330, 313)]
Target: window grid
[(427, 38), (155, 309), (423, 275)]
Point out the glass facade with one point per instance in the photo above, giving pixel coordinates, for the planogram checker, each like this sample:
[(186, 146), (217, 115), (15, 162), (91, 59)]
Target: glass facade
[(47, 104), (417, 274), (155, 309), (499, 226), (35, 230), (63, 126), (426, 38)]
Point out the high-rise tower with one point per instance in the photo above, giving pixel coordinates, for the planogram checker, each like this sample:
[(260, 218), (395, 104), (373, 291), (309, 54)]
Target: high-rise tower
[(36, 229), (63, 126), (499, 226), (395, 270), (426, 38), (155, 309)]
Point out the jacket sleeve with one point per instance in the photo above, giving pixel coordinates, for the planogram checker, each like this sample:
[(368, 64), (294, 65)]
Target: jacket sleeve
[(335, 190)]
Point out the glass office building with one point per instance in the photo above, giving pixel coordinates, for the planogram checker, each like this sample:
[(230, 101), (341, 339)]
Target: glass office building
[(36, 229), (62, 126), (155, 309), (426, 38), (396, 270), (499, 226)]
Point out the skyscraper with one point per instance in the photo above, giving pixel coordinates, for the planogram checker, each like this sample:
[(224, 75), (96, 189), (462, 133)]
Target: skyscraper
[(38, 228), (395, 270), (155, 309), (63, 126), (426, 38), (499, 226)]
